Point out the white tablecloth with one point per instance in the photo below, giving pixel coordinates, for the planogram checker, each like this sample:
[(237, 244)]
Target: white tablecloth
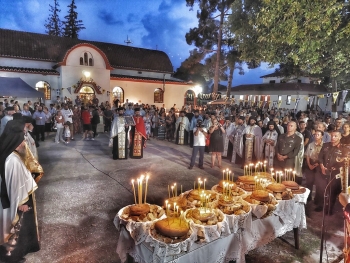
[(257, 232)]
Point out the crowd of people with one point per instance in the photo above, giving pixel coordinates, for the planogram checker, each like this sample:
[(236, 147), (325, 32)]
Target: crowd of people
[(283, 138)]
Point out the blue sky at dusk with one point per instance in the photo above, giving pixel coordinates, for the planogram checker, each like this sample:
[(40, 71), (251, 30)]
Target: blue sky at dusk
[(153, 24)]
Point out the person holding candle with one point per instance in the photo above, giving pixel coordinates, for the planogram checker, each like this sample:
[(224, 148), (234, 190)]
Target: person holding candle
[(119, 138), (199, 135)]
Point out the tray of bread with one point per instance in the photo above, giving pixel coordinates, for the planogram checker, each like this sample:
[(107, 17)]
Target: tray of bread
[(171, 236), (137, 219), (280, 191), (236, 211), (262, 202), (294, 187), (235, 190), (209, 223), (194, 197)]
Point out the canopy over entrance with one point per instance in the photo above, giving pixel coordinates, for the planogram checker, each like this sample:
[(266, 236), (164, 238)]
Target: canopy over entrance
[(16, 87)]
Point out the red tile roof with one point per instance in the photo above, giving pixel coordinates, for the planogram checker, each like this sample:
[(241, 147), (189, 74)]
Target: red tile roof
[(30, 70), (19, 44)]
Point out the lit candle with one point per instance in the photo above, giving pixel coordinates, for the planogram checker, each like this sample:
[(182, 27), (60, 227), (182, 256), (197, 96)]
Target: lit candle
[(133, 188), (172, 191), (181, 189), (223, 175), (265, 168), (294, 175), (194, 185), (141, 183), (169, 190), (175, 189), (174, 207), (204, 184), (177, 210), (246, 170), (166, 207), (146, 187), (138, 190)]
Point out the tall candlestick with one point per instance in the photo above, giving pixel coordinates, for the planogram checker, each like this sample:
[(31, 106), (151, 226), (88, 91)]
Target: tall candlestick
[(147, 177), (133, 188)]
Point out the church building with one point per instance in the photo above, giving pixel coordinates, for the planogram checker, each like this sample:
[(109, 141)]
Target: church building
[(59, 66)]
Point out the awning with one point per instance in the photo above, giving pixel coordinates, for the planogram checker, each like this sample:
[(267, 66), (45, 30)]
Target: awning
[(16, 87)]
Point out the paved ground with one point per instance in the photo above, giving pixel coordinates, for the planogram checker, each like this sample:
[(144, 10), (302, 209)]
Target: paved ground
[(83, 189)]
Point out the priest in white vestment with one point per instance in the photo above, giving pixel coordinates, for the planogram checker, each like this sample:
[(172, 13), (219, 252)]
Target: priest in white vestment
[(268, 143), (17, 186), (182, 127), (251, 140)]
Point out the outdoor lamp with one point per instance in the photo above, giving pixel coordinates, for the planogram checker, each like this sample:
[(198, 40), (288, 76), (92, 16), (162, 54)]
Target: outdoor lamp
[(86, 73)]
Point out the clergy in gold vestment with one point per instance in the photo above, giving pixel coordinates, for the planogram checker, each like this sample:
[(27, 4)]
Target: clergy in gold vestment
[(18, 228), (137, 136)]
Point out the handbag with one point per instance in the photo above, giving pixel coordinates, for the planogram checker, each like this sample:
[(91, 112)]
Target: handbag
[(207, 139)]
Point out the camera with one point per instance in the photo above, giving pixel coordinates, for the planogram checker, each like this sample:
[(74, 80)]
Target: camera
[(199, 124)]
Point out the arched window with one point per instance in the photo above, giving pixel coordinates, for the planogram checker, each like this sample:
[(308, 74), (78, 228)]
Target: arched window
[(45, 88), (158, 96), (118, 94), (86, 59)]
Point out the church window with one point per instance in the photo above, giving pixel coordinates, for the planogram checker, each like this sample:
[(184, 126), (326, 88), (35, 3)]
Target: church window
[(118, 94), (158, 96), (45, 88)]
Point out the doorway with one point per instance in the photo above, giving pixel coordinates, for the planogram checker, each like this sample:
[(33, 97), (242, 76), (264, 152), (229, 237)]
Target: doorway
[(86, 94)]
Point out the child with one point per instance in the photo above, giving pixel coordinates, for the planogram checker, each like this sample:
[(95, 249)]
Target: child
[(67, 131)]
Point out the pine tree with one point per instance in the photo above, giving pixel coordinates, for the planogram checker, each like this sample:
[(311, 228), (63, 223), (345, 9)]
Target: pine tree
[(53, 23), (72, 25)]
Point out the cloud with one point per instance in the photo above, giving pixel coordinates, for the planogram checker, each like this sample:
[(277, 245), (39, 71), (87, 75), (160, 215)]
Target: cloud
[(166, 31), (109, 18), (132, 18)]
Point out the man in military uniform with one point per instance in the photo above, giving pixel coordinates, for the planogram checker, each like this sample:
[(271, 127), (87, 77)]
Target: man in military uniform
[(287, 147), (329, 168)]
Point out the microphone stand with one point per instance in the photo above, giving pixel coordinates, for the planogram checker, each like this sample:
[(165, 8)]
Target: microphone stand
[(326, 201)]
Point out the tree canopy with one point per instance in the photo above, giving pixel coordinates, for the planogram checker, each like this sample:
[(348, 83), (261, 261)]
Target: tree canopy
[(54, 24), (313, 35), (72, 25)]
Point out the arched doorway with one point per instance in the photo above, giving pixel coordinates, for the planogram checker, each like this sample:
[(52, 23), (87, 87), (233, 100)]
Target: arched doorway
[(190, 98), (86, 94), (45, 88), (118, 94)]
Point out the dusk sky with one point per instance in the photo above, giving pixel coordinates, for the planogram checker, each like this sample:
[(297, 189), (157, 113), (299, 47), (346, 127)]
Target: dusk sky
[(153, 24)]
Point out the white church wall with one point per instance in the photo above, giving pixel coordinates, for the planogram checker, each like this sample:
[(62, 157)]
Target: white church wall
[(26, 63), (136, 73), (143, 92)]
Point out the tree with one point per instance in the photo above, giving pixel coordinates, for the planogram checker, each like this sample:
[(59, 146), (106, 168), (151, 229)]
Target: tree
[(312, 35), (208, 34), (53, 23), (72, 25)]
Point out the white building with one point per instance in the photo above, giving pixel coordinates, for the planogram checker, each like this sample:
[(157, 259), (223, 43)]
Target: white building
[(283, 92), (60, 66)]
